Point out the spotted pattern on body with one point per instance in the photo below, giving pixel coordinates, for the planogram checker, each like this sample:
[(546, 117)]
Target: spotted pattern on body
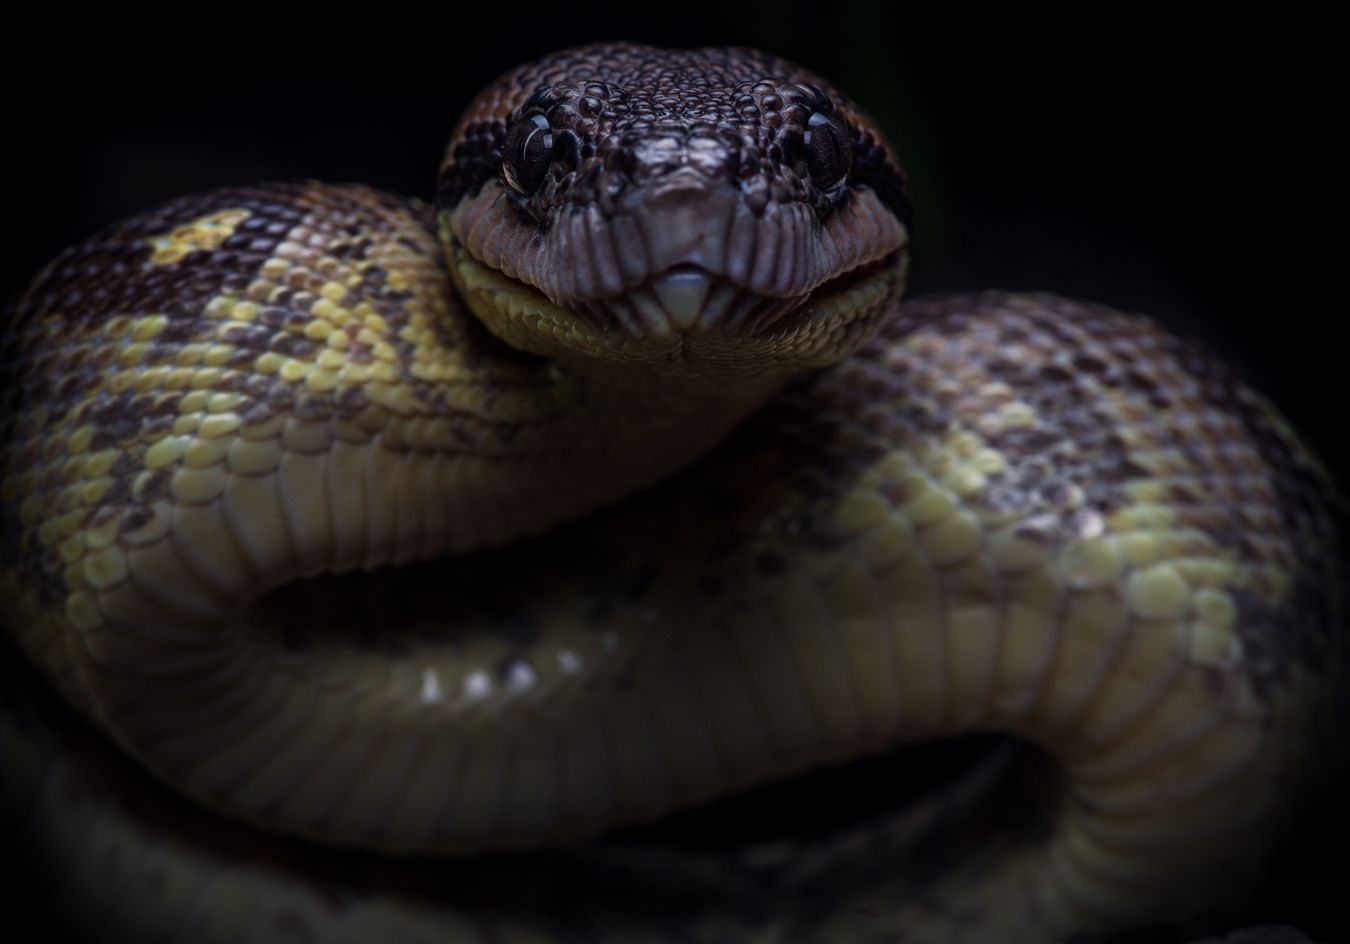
[(1004, 512), (967, 538), (1047, 436), (148, 370)]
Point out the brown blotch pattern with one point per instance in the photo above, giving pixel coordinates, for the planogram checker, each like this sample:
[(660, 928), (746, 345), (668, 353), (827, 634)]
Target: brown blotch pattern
[(1082, 421), (316, 306)]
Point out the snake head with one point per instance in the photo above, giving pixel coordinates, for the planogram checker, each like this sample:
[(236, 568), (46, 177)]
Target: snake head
[(716, 208)]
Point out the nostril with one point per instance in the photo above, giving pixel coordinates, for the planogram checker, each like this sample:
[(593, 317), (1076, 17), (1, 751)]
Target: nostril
[(682, 293)]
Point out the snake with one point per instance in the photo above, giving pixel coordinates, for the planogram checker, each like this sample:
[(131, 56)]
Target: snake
[(377, 569)]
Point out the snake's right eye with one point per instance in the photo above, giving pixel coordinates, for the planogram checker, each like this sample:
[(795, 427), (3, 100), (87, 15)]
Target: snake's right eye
[(528, 153), (829, 150)]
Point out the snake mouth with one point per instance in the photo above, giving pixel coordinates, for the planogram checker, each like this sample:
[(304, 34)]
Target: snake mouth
[(687, 299), (685, 303), (839, 299)]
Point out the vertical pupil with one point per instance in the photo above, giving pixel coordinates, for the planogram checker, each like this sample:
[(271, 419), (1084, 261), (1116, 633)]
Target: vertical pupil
[(831, 156), (536, 146), (533, 152), (821, 146), (828, 151)]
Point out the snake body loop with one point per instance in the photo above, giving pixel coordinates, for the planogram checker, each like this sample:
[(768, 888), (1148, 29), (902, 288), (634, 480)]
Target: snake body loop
[(261, 447)]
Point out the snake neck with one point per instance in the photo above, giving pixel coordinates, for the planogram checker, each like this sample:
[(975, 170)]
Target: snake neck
[(596, 435), (574, 427)]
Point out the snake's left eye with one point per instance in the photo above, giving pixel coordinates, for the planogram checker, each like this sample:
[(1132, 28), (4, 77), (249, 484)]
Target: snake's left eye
[(829, 150), (528, 153)]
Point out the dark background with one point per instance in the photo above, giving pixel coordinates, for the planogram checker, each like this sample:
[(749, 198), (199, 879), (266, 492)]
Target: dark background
[(1187, 170)]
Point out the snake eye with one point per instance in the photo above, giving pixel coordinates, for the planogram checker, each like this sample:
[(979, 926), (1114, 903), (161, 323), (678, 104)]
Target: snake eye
[(528, 154), (829, 150)]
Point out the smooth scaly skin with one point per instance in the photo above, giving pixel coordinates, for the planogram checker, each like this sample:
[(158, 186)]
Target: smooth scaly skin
[(1003, 513)]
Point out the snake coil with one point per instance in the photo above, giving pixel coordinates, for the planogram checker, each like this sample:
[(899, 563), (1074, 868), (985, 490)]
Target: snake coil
[(617, 481)]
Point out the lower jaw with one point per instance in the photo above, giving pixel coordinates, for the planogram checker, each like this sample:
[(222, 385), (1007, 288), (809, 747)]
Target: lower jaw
[(729, 310), (733, 310)]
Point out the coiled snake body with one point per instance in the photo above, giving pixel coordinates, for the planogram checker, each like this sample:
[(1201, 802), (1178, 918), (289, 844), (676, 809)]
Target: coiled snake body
[(243, 432)]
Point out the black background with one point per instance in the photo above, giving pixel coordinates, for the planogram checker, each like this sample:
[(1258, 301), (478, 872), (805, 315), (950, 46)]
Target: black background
[(1185, 169)]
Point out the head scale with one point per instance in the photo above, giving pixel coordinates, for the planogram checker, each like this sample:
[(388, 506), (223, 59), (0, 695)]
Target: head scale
[(653, 195)]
